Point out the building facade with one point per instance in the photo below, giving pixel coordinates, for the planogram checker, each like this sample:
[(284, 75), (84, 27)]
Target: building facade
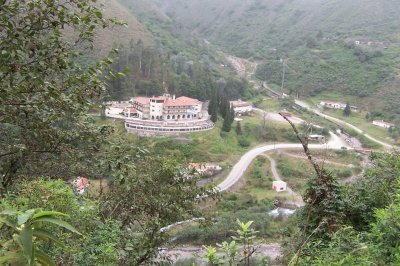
[(338, 105), (166, 108)]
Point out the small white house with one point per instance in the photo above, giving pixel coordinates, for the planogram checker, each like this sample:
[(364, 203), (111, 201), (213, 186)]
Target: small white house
[(241, 107), (315, 137), (381, 123), (279, 186), (337, 105)]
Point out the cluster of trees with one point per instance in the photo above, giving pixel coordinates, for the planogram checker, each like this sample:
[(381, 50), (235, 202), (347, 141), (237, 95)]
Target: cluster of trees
[(220, 104), (153, 70), (47, 138), (156, 70)]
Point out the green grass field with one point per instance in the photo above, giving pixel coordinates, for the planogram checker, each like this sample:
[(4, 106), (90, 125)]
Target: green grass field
[(358, 119)]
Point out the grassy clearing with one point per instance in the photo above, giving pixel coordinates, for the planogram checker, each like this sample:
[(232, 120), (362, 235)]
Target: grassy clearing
[(225, 147), (295, 171), (259, 180), (345, 157), (358, 119), (266, 103)]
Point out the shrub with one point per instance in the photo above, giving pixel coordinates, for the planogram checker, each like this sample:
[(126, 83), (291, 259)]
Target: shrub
[(244, 142), (345, 173)]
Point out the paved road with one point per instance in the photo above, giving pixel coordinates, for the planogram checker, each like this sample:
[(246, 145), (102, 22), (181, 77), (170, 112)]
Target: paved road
[(336, 120), (240, 167)]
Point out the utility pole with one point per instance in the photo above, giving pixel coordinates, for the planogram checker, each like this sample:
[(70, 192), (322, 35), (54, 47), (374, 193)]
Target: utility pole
[(283, 75)]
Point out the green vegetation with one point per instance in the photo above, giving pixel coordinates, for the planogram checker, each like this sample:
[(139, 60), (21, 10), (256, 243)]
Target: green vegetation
[(296, 171), (48, 138), (48, 86), (319, 54), (365, 230), (217, 146), (231, 253), (29, 232), (359, 120)]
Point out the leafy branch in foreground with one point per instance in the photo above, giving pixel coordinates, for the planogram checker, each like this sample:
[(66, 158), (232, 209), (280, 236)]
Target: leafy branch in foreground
[(231, 252), (28, 230), (323, 213)]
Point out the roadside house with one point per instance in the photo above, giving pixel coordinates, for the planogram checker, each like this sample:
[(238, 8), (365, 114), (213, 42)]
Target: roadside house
[(279, 186), (241, 107), (381, 123)]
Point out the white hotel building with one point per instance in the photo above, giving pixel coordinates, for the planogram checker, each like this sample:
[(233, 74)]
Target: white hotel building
[(166, 115), (164, 108)]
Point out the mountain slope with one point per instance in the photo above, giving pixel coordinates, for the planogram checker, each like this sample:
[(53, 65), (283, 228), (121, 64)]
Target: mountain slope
[(106, 39), (252, 26)]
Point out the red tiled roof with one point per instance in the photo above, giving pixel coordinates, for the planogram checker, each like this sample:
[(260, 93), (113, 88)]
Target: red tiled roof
[(181, 101), (81, 183), (130, 110), (142, 100)]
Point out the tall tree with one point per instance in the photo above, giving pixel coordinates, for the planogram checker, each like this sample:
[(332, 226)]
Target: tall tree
[(228, 119), (347, 110), (238, 128), (224, 109), (213, 106), (159, 193)]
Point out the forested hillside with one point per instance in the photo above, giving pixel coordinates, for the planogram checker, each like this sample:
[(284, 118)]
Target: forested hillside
[(77, 189), (315, 41), (175, 62), (249, 28)]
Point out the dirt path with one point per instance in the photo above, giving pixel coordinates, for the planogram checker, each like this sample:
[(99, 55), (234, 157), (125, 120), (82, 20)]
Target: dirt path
[(277, 117), (303, 157), (244, 68), (273, 251), (297, 199)]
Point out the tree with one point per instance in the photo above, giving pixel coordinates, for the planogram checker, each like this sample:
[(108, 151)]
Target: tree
[(228, 119), (159, 193), (311, 42), (232, 255), (323, 213), (347, 110), (238, 128), (213, 106), (45, 94), (368, 117), (224, 106)]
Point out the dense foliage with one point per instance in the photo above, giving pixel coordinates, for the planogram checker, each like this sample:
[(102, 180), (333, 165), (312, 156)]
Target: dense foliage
[(44, 94), (364, 231), (156, 70), (47, 132)]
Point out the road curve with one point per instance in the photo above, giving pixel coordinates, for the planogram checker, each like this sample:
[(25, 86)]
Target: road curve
[(336, 120), (240, 167)]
